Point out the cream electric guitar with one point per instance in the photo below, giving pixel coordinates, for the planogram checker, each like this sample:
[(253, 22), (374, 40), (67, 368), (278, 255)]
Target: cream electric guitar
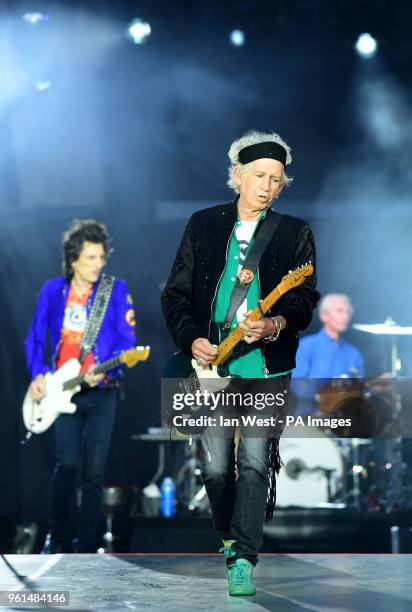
[(38, 416), (193, 376), (196, 376)]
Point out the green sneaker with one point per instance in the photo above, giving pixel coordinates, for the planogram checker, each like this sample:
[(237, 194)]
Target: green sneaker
[(241, 578), (228, 552)]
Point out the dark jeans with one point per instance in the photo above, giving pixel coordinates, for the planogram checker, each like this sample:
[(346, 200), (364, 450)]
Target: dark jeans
[(82, 444), (237, 487), (238, 505)]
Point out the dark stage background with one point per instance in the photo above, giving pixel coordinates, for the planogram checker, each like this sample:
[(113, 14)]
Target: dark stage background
[(137, 136)]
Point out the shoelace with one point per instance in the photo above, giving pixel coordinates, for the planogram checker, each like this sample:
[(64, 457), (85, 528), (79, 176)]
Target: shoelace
[(240, 573), (227, 551)]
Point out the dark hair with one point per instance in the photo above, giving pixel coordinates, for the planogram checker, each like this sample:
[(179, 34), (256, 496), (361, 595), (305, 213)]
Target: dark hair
[(80, 231)]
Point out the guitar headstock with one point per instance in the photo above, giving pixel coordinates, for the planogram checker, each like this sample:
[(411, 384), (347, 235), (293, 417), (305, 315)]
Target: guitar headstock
[(134, 355), (296, 277)]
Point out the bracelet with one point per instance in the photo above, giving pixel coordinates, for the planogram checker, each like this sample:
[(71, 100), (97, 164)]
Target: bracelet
[(276, 331)]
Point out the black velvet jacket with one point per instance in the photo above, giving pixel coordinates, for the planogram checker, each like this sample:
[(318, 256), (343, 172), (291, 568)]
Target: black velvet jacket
[(189, 294)]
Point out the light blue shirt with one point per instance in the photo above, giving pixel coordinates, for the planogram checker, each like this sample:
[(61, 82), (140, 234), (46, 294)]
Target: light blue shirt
[(321, 357)]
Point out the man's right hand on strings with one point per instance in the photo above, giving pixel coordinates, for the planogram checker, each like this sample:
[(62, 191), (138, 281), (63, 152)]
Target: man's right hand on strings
[(37, 388), (203, 351)]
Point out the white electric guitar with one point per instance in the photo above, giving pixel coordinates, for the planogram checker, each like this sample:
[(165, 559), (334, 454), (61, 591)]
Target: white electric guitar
[(38, 416)]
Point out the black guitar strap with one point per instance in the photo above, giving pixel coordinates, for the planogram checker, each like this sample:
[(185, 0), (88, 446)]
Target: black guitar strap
[(250, 265), (97, 313)]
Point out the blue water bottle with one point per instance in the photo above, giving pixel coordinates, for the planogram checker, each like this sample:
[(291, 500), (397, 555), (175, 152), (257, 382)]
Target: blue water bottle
[(167, 506)]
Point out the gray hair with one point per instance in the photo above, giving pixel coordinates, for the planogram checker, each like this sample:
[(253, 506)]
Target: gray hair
[(324, 304), (251, 138)]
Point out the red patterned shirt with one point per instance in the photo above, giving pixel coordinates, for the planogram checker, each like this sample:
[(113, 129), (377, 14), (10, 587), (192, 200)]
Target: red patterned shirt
[(74, 323)]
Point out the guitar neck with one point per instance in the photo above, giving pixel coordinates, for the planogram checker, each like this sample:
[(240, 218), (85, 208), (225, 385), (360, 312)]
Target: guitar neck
[(101, 368), (226, 347)]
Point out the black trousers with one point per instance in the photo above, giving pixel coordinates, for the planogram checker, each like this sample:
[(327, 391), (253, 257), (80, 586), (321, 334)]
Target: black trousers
[(82, 444)]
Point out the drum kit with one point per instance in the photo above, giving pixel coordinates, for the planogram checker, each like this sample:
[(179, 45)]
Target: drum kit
[(367, 473)]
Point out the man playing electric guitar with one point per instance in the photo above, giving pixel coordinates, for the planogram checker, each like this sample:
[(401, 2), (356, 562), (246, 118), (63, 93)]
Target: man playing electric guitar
[(67, 310), (199, 294)]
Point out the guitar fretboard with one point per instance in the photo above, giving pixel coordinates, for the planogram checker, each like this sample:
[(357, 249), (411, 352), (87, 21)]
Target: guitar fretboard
[(98, 369), (226, 347)]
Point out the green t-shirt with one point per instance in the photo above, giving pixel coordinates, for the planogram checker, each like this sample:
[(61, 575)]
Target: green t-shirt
[(248, 361)]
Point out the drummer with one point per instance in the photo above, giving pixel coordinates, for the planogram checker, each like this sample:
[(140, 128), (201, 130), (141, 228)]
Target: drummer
[(326, 354)]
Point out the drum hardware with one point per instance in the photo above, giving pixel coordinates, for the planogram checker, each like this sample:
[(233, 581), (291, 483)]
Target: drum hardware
[(388, 328), (190, 490), (345, 472), (395, 493), (114, 498), (295, 467), (314, 468), (199, 501)]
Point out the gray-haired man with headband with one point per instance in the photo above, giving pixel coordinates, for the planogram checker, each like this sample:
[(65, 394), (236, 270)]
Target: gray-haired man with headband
[(197, 297)]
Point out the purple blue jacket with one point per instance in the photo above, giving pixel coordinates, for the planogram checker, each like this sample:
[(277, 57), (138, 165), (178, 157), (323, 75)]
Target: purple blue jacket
[(116, 334)]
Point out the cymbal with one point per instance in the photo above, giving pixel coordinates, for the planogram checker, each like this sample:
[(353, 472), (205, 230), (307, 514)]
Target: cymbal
[(388, 328)]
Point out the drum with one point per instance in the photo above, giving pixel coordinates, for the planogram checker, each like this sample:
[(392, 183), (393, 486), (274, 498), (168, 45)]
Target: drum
[(370, 413), (330, 397), (313, 469)]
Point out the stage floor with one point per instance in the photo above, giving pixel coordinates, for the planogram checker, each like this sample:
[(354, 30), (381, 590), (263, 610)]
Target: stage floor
[(285, 583)]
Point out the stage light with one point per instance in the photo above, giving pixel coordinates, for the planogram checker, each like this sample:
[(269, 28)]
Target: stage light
[(237, 38), (366, 46), (34, 18), (138, 31), (43, 85)]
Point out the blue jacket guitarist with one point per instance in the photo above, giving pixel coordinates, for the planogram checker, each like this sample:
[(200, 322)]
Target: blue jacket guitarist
[(82, 438)]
